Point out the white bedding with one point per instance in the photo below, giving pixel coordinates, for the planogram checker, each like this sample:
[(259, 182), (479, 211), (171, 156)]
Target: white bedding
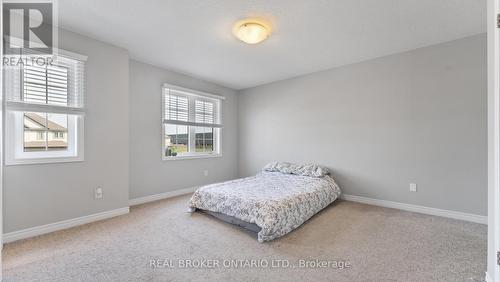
[(276, 202)]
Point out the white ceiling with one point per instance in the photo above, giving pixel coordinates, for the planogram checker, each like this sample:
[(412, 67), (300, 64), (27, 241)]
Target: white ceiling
[(194, 36)]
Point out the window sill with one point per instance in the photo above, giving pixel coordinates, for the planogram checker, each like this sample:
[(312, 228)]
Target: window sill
[(190, 157), (43, 161)]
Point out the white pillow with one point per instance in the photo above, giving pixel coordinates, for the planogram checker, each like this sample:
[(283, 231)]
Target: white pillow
[(312, 170)]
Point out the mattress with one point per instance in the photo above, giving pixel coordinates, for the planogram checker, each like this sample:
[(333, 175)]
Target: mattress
[(275, 202)]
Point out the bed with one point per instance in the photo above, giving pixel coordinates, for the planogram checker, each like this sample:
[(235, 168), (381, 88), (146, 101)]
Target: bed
[(272, 203)]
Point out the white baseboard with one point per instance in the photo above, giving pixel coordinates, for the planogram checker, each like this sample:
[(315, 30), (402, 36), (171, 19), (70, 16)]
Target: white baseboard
[(487, 277), (65, 224), (161, 196), (418, 209)]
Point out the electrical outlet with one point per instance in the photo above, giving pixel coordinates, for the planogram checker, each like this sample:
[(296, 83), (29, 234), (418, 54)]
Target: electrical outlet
[(98, 193), (205, 172), (413, 187)]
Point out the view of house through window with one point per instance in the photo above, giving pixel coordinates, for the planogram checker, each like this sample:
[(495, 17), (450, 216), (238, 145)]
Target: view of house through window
[(46, 85), (45, 132), (45, 110)]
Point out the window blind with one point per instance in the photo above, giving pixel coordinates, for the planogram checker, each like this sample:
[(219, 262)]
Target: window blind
[(205, 112), (56, 88), (177, 109), (46, 85)]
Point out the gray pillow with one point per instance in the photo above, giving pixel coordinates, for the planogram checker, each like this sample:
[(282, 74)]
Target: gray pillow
[(312, 170)]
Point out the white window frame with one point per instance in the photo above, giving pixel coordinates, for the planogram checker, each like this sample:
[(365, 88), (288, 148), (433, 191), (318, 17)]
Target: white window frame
[(14, 127), (192, 96)]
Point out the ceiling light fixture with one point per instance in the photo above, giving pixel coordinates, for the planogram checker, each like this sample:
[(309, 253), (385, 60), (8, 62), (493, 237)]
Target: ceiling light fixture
[(251, 31)]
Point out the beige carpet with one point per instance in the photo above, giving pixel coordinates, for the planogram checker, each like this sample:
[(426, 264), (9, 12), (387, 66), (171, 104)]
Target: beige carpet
[(380, 244)]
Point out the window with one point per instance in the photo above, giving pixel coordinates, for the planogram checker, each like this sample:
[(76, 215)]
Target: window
[(191, 123), (44, 111), (59, 135)]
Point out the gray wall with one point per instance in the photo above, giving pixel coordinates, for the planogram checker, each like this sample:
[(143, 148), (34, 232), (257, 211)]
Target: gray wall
[(418, 116), (149, 174), (40, 194)]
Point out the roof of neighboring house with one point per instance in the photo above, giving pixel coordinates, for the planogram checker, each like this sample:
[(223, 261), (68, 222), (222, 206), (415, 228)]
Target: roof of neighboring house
[(40, 120)]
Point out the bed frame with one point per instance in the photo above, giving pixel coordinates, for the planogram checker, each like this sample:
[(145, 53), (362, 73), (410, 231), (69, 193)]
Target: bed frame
[(252, 227)]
